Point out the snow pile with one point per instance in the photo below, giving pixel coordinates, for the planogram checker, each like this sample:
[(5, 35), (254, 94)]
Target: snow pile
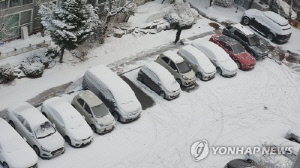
[(182, 15), (6, 73)]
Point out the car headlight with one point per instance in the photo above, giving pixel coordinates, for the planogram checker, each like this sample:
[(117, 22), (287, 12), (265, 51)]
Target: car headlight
[(184, 77), (45, 150)]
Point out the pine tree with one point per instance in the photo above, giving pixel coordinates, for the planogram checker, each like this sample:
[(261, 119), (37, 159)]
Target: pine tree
[(69, 24)]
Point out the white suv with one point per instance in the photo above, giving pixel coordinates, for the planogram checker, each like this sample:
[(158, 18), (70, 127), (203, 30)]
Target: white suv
[(39, 133)]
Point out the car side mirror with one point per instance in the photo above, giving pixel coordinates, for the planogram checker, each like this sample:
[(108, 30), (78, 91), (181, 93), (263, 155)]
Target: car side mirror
[(214, 60), (84, 116), (53, 125), (63, 125), (31, 134), (25, 139), (196, 65), (159, 83)]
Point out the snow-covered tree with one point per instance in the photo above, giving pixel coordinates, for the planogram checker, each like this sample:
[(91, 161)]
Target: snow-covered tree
[(69, 24)]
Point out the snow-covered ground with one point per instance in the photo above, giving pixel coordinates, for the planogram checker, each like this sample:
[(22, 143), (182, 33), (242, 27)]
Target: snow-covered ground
[(246, 110)]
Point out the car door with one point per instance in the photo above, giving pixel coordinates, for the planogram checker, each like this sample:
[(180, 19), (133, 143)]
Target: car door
[(146, 78), (165, 61), (80, 106), (88, 113), (154, 82), (29, 131), (19, 126), (59, 123), (173, 68)]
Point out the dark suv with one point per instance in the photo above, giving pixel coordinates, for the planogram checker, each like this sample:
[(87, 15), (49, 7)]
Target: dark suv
[(248, 39)]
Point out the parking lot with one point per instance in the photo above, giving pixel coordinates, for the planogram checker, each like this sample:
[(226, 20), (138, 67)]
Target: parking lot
[(244, 110)]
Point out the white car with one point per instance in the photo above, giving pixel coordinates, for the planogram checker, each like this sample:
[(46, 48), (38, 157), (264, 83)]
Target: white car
[(225, 65), (160, 80), (94, 111), (69, 123), (269, 160), (283, 143), (14, 151), (39, 133), (114, 92), (199, 62), (271, 25)]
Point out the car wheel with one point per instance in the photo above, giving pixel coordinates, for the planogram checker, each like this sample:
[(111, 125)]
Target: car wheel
[(238, 64), (245, 20), (270, 36), (250, 161), (45, 115), (68, 140), (199, 75), (94, 128), (116, 115), (12, 124), (5, 165), (219, 71), (140, 78), (162, 94), (37, 150), (179, 81)]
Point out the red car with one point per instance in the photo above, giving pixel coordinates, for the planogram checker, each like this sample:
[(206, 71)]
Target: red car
[(237, 52)]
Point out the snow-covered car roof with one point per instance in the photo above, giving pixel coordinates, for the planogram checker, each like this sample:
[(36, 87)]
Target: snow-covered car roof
[(90, 98), (7, 133), (275, 17), (210, 46), (173, 56), (198, 55), (118, 87), (162, 73), (243, 29), (69, 114), (30, 114)]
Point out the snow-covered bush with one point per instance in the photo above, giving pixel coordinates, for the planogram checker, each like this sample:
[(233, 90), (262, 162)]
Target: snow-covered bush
[(6, 73), (32, 69), (183, 16)]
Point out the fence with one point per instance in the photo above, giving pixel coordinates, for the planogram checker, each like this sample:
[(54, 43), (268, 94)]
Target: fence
[(25, 49)]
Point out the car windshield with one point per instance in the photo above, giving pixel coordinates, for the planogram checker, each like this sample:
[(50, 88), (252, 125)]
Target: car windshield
[(100, 110), (44, 130), (183, 67), (238, 49), (253, 40)]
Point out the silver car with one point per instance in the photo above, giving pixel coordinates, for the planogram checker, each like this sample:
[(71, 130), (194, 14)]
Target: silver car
[(39, 133), (179, 68), (94, 111)]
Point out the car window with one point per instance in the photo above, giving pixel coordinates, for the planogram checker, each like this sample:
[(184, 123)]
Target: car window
[(173, 66), (165, 59), (80, 101), (27, 126), (241, 36), (154, 76), (87, 109), (21, 119), (227, 46)]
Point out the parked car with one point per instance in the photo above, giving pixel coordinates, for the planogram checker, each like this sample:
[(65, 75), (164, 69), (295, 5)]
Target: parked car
[(94, 111), (199, 62), (114, 92), (236, 51), (179, 68), (14, 151), (69, 123), (269, 160), (248, 39), (225, 65), (39, 133), (239, 163), (293, 134), (269, 24), (282, 143), (160, 80), (224, 3)]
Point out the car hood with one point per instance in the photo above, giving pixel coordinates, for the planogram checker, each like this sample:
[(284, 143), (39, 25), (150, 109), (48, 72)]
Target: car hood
[(24, 157), (172, 85), (246, 58), (209, 68), (82, 132), (190, 74), (106, 120), (229, 65), (52, 142), (131, 107), (260, 49)]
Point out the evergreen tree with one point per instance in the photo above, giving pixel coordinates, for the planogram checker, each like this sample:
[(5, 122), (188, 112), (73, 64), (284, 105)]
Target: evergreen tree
[(69, 24)]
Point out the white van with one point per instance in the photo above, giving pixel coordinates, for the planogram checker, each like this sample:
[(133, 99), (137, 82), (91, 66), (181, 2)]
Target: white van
[(199, 62), (114, 92), (225, 65)]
